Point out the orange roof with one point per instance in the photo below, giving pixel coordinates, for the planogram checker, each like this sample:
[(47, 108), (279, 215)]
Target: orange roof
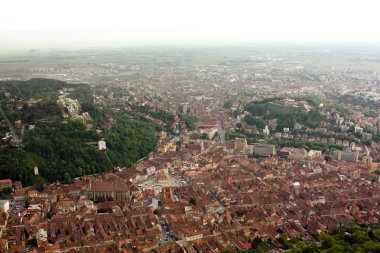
[(108, 186), (5, 181)]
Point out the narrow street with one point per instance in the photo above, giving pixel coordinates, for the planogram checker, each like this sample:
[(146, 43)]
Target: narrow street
[(221, 131)]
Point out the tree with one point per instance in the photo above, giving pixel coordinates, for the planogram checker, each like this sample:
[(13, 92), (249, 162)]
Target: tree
[(67, 178), (227, 105), (204, 136), (192, 201), (250, 120), (40, 187), (27, 203)]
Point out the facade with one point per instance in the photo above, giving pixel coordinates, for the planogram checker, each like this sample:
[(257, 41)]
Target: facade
[(314, 153), (5, 183), (346, 156), (266, 131), (240, 144), (263, 149), (102, 145), (4, 205), (293, 153)]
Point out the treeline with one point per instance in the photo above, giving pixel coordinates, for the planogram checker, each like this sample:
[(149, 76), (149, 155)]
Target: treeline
[(36, 87), (129, 141), (42, 110), (360, 239), (325, 147), (190, 121), (359, 101), (58, 150), (157, 114), (287, 116)]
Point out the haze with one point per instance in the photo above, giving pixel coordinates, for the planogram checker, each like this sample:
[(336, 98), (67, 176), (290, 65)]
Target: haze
[(48, 23)]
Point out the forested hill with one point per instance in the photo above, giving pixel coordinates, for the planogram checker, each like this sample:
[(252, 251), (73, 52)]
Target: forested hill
[(63, 144)]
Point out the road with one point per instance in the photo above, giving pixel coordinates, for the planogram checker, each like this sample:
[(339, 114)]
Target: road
[(15, 137), (221, 131)]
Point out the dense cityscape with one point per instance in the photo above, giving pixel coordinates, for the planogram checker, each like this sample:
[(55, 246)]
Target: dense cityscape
[(230, 156), (170, 126)]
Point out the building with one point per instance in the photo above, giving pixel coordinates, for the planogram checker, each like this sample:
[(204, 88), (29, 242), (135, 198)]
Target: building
[(162, 179), (153, 203), (36, 171), (313, 154), (266, 131), (262, 149), (5, 183), (367, 160), (4, 205), (17, 185), (346, 156), (358, 130), (66, 206), (297, 126), (166, 147), (240, 144), (209, 131), (293, 153), (366, 136), (117, 190), (102, 145)]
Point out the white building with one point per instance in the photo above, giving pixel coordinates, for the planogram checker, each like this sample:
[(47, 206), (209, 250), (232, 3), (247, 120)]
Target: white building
[(42, 234), (266, 130), (102, 145), (36, 171), (4, 205), (358, 129)]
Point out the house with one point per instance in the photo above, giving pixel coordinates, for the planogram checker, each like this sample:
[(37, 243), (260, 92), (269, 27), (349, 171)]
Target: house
[(346, 156), (166, 147), (102, 145), (313, 154), (289, 152), (66, 205), (5, 183), (162, 179), (153, 203), (240, 144), (189, 235), (4, 205)]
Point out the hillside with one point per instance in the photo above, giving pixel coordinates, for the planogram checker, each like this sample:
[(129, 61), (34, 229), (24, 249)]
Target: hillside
[(62, 144)]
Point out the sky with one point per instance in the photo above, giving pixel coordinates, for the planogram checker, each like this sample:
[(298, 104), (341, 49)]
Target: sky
[(52, 23)]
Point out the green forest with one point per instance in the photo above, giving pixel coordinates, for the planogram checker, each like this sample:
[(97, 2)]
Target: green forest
[(287, 116), (64, 149), (357, 239)]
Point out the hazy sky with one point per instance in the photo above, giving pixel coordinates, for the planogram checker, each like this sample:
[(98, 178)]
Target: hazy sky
[(51, 23)]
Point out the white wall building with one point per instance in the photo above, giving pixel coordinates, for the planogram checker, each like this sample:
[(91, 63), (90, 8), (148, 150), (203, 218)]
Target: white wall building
[(102, 145), (4, 205)]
